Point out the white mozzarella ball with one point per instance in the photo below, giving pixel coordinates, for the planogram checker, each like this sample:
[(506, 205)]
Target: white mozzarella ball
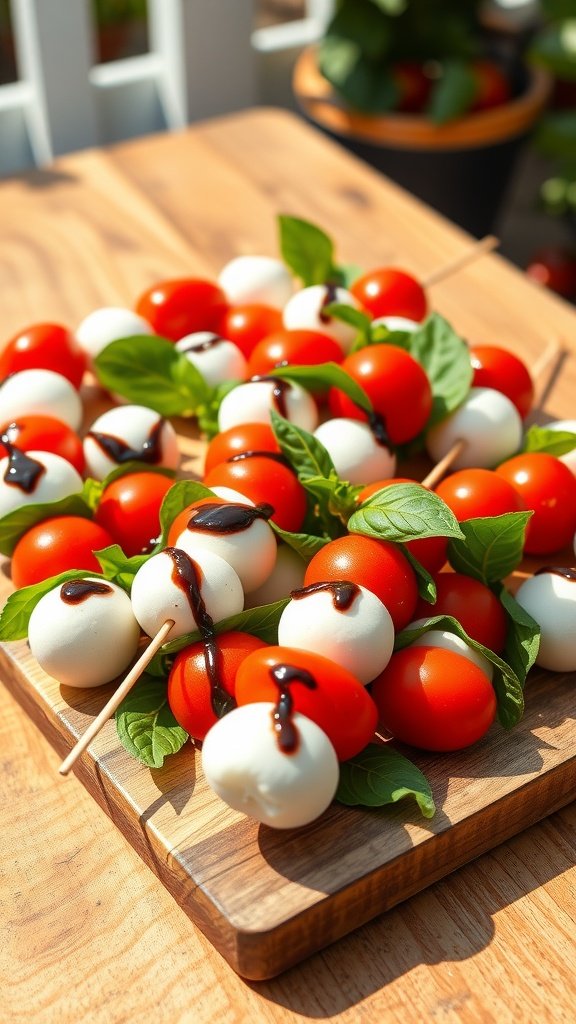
[(83, 632), (488, 423), (229, 494), (304, 312), (56, 479), (102, 326), (550, 599), (288, 574), (245, 766), (355, 452), (359, 636), (252, 402), (397, 323), (135, 433), (41, 392), (217, 359), (157, 596), (570, 426), (450, 642), (260, 279), (238, 534)]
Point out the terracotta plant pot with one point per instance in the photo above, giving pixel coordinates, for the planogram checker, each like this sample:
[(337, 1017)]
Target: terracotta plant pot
[(461, 168)]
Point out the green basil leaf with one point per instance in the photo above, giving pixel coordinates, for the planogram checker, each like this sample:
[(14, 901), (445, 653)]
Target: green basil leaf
[(349, 315), (306, 455), (379, 775), (327, 506), (326, 375), (16, 523), (306, 250), (207, 413), (16, 613), (552, 442), (404, 512), (180, 495), (118, 567), (426, 586), (446, 359), (348, 273), (378, 334), (523, 637), (491, 547), (305, 544), (261, 621), (92, 492), (148, 370), (453, 93), (145, 724)]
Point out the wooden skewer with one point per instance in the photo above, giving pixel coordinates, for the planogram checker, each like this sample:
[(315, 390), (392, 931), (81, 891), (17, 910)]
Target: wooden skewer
[(116, 698), (441, 467), (484, 245), (545, 371)]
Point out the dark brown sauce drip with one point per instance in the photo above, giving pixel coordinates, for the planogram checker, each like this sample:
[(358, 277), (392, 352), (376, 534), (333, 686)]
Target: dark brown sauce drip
[(377, 425), (186, 576), (77, 591), (120, 452), (287, 735), (202, 346), (22, 471), (277, 456), (558, 570), (330, 297), (279, 392), (227, 517), (343, 592)]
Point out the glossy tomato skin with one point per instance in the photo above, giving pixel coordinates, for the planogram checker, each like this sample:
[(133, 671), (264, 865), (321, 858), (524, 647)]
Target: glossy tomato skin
[(338, 703), (434, 699), (56, 545), (189, 689), (397, 386), (247, 325), (263, 479), (40, 433), (296, 348), (474, 493), (473, 604), (377, 565), (388, 291), (492, 87), (246, 437), (547, 486), (496, 368), (44, 346), (431, 552), (182, 306), (130, 510)]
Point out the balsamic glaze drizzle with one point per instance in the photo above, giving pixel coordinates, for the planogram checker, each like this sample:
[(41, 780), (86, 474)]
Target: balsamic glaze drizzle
[(343, 592), (280, 389), (287, 735), (276, 456), (77, 591), (330, 297), (202, 346), (558, 570), (22, 470), (228, 517), (120, 451)]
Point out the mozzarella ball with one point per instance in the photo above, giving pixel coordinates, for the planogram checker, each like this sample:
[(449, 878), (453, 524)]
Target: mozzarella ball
[(41, 392), (569, 425), (355, 452), (160, 591), (358, 635), (450, 642), (287, 574), (259, 279), (397, 323), (251, 403), (236, 533), (102, 326), (56, 479), (304, 312), (229, 494), (83, 632), (550, 599), (488, 423), (245, 766), (217, 359), (130, 433)]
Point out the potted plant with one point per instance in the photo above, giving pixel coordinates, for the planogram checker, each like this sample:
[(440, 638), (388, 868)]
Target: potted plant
[(415, 88), (121, 28)]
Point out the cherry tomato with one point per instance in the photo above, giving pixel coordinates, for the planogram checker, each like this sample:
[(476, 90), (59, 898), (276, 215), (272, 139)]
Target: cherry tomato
[(263, 479), (472, 493), (377, 565), (547, 486), (388, 291), (413, 86), (434, 699), (473, 604), (554, 267), (491, 85), (182, 306), (397, 386), (247, 325), (32, 432), (338, 702), (297, 348), (56, 545), (44, 347), (189, 687), (246, 437), (495, 367), (130, 510), (431, 552)]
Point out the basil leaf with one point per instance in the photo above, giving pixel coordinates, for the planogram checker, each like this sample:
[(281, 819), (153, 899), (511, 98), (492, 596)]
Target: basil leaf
[(491, 547), (118, 567), (306, 250), (326, 375), (16, 613), (305, 544), (16, 523), (380, 335), (180, 495), (207, 413), (404, 512), (92, 492), (426, 586), (350, 315), (145, 724), (348, 273), (446, 359), (306, 455), (454, 92), (330, 495), (523, 637), (261, 621), (552, 442), (148, 370), (379, 775)]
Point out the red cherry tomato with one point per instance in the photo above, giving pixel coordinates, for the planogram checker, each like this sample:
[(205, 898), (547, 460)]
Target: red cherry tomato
[(377, 565), (246, 437), (338, 703), (547, 486), (472, 493), (56, 545), (189, 687), (32, 432), (431, 552), (413, 86), (473, 604), (44, 347), (554, 267), (130, 510), (496, 368), (182, 306), (434, 699), (397, 386), (492, 87), (388, 291), (263, 479), (297, 348), (247, 325)]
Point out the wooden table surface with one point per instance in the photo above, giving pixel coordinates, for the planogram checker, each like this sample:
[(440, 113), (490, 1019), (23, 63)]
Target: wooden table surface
[(88, 932)]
